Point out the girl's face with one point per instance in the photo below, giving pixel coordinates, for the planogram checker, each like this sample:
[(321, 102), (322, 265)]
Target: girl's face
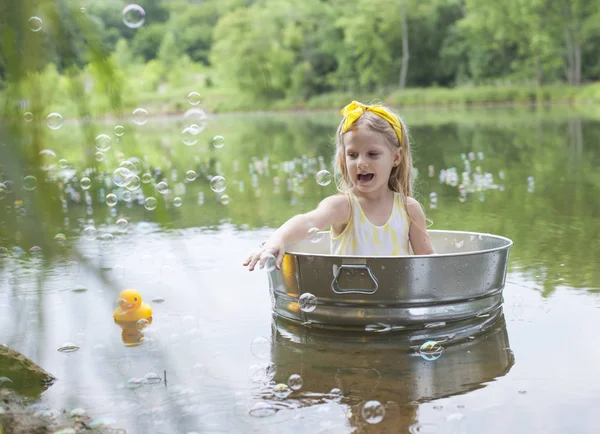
[(369, 160)]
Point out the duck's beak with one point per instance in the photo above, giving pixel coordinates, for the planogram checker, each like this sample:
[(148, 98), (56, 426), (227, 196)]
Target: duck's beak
[(124, 304)]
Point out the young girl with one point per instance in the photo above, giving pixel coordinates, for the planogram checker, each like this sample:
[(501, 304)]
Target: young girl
[(374, 215)]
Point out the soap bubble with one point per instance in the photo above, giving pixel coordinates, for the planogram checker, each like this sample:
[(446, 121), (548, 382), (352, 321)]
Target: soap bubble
[(315, 235), (262, 409), (28, 116), (282, 390), (146, 178), (194, 98), (324, 178), (225, 199), (189, 135), (63, 163), (150, 203), (152, 378), (122, 225), (197, 117), (373, 412), (126, 196), (218, 184), (3, 191), (103, 142), (177, 202), (54, 121), (47, 160), (119, 130), (89, 233), (133, 16), (30, 183), (162, 187), (295, 382), (261, 347), (140, 116), (99, 156), (307, 302), (86, 183), (34, 24), (431, 350), (218, 142), (111, 199), (122, 177), (141, 323), (190, 175), (134, 183), (68, 347)]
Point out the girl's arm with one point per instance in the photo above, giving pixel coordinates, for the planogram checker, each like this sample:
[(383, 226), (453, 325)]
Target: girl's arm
[(332, 210), (419, 238)]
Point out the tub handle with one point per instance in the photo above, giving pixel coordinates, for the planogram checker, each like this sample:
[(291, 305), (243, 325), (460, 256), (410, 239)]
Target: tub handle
[(335, 285)]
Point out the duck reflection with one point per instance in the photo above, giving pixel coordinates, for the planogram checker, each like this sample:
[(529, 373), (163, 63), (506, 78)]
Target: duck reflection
[(131, 333), (387, 367)]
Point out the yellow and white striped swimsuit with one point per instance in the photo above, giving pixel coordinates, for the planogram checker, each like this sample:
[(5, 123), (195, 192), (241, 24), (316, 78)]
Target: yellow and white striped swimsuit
[(362, 238)]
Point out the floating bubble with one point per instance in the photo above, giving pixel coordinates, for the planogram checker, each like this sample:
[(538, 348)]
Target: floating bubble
[(315, 235), (28, 116), (162, 187), (146, 178), (262, 409), (307, 302), (60, 238), (282, 390), (89, 233), (194, 98), (3, 191), (152, 378), (99, 156), (63, 163), (142, 323), (218, 142), (196, 117), (190, 175), (47, 160), (102, 421), (111, 199), (189, 135), (126, 196), (295, 382), (30, 183), (225, 199), (324, 177), (34, 24), (140, 116), (54, 121), (134, 383), (150, 203), (122, 176), (261, 347), (218, 184), (103, 142), (68, 347), (119, 130), (122, 225), (86, 183), (177, 202), (373, 412), (18, 252), (431, 350), (134, 183), (133, 16)]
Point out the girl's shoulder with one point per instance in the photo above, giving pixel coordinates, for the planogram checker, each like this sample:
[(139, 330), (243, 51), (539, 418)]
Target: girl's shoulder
[(339, 205)]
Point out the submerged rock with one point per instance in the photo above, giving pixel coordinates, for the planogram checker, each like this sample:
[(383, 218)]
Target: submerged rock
[(21, 374)]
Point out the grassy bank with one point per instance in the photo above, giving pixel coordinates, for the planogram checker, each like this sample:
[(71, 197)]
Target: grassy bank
[(230, 100)]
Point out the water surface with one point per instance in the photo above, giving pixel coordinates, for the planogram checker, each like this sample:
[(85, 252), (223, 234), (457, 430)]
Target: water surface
[(533, 370)]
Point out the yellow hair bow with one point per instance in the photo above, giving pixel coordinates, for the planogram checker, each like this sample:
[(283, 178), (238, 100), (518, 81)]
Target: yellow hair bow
[(355, 109)]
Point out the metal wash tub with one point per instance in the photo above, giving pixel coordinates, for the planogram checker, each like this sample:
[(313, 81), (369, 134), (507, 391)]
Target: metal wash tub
[(465, 278)]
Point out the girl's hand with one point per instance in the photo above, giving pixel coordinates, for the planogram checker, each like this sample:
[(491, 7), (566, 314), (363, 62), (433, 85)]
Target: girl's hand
[(273, 249)]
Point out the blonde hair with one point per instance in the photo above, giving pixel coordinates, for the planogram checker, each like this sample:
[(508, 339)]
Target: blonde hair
[(400, 179)]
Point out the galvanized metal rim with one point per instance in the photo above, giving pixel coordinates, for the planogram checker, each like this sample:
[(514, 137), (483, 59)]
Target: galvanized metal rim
[(508, 244)]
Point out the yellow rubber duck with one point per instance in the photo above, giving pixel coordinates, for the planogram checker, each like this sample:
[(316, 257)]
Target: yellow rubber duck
[(131, 308)]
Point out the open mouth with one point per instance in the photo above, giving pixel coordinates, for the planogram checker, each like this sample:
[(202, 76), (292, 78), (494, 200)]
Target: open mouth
[(365, 177)]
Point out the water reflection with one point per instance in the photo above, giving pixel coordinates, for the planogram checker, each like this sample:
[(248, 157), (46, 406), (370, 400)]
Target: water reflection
[(351, 369)]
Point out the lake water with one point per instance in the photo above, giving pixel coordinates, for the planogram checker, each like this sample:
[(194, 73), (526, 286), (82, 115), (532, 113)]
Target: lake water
[(213, 334)]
